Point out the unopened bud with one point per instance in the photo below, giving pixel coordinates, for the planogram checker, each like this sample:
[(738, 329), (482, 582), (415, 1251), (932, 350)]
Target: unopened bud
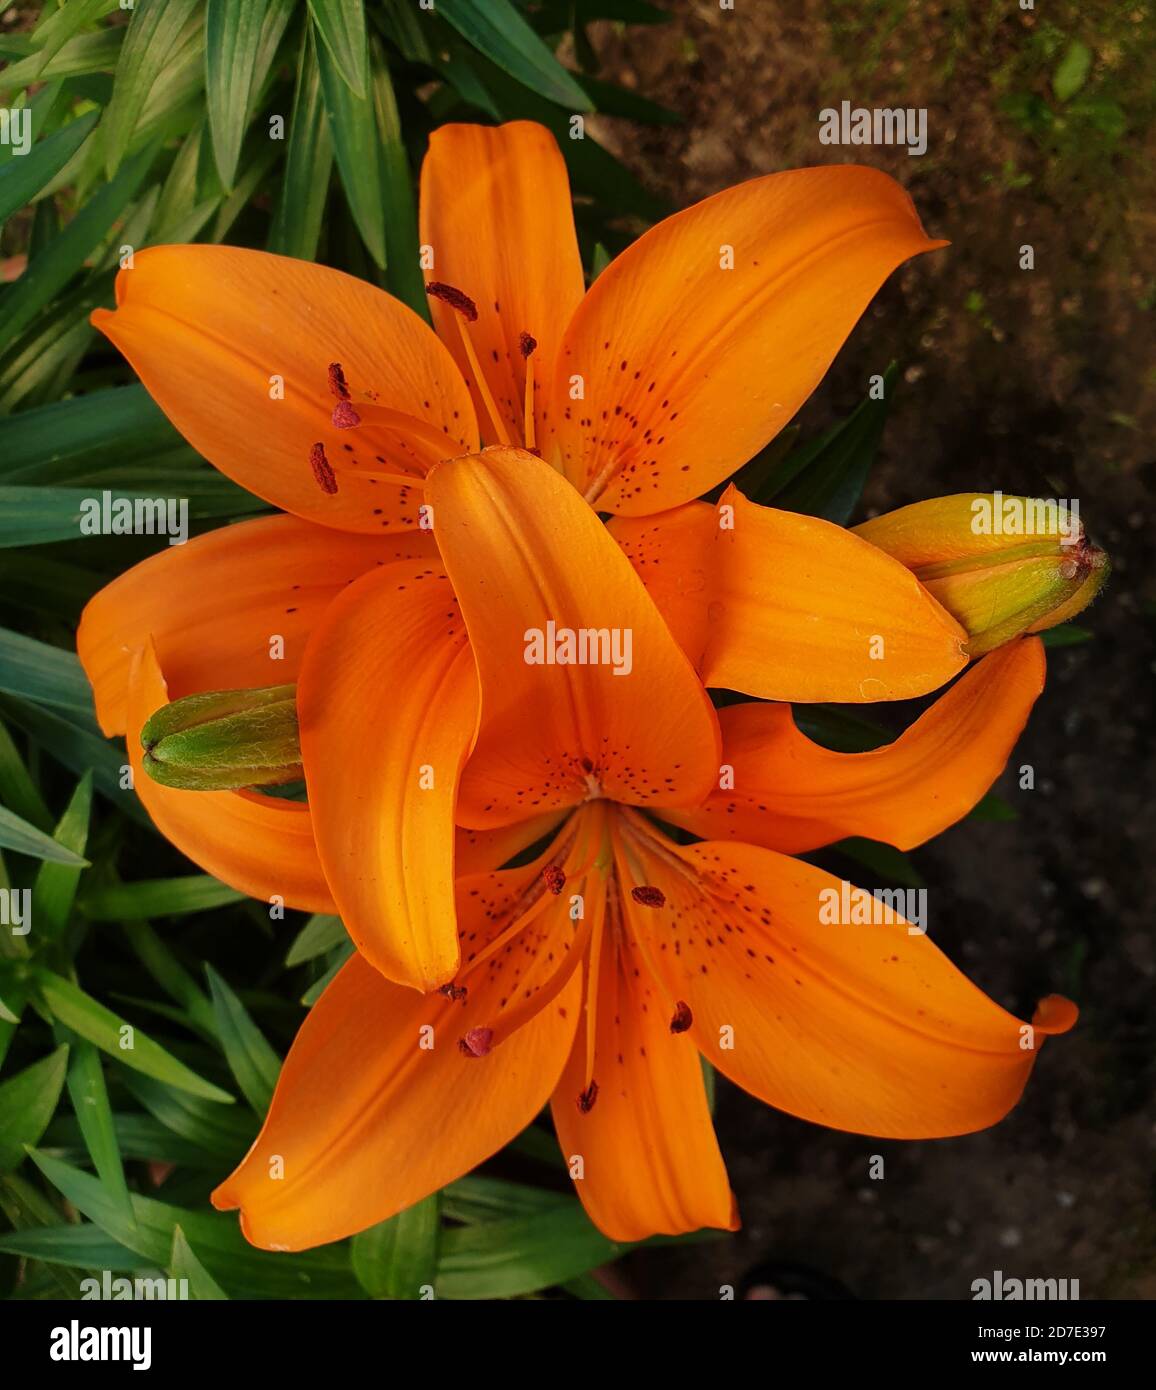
[(224, 740), (1001, 566)]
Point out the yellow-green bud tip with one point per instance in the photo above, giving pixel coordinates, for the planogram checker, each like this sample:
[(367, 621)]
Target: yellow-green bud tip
[(1001, 566)]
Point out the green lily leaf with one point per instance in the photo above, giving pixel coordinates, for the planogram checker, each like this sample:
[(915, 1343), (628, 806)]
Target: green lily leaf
[(252, 1061), (112, 1034), (27, 1103), (398, 1258), (184, 1264)]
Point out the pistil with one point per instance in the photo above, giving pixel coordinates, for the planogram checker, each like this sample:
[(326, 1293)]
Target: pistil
[(527, 345)]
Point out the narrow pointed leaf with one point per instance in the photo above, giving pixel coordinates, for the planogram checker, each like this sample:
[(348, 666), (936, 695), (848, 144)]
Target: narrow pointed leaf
[(171, 975), (321, 933), (233, 31), (154, 31), (296, 228), (58, 26), (357, 145), (398, 1258), (55, 888), (251, 1060), (89, 1094), (340, 25), (27, 1103), (826, 477), (495, 28), (56, 265), (158, 897), (18, 792), (86, 53), (503, 1259), (84, 1015), (216, 1237), (222, 1131), (184, 1264), (74, 742), (404, 278), (46, 675), (22, 179), (83, 1245), (89, 433), (18, 835)]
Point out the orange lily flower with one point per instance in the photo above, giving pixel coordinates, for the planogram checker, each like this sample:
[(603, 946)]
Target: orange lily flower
[(595, 975), (332, 400)]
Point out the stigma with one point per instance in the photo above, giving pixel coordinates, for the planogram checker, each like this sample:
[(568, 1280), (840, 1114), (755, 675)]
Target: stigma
[(477, 1042)]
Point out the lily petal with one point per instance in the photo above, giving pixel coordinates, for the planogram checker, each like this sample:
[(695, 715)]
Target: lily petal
[(528, 558), (790, 607), (702, 340), (235, 347), (387, 701), (864, 1028), (261, 845), (378, 1105), (496, 212), (633, 1109), (791, 794), (674, 555), (214, 605)]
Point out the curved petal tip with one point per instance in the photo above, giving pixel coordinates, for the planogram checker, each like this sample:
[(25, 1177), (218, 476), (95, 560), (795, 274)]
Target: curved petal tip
[(1054, 1014)]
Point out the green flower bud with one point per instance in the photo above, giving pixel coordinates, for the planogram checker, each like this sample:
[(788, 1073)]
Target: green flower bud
[(224, 740)]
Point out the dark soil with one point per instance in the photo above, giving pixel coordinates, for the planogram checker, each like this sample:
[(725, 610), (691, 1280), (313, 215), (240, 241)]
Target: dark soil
[(1037, 382)]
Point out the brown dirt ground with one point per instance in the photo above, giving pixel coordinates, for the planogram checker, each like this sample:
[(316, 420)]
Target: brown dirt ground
[(1044, 388)]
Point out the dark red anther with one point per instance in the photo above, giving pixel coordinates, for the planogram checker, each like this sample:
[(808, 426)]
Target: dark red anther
[(682, 1019), (555, 877), (527, 344), (345, 417), (322, 469), (477, 1042), (455, 298), (587, 1098), (648, 897), (454, 992), (337, 383)]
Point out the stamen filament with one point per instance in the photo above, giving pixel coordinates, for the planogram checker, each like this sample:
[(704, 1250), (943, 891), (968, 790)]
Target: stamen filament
[(466, 312), (501, 434), (436, 445), (601, 479), (542, 900), (593, 974), (525, 1009), (639, 938), (639, 829), (527, 345)]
